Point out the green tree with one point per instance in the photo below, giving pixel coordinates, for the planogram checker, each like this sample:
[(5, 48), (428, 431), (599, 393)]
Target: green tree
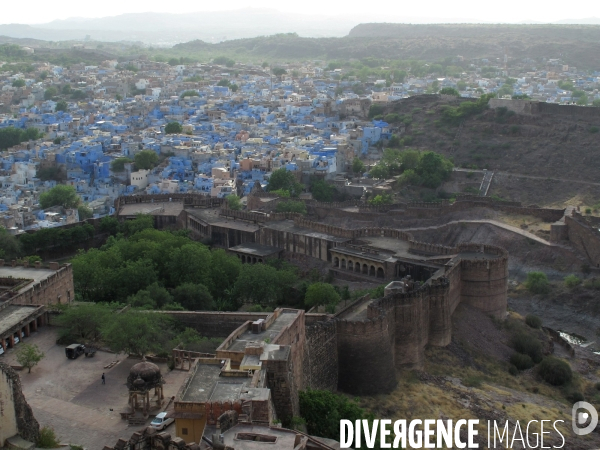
[(66, 89), (118, 165), (461, 85), (433, 169), (358, 167), (279, 71), (284, 179), (572, 281), (449, 91), (146, 159), (291, 206), (262, 284), (29, 355), (62, 106), (84, 212), (596, 103), (319, 294), (189, 93), (140, 223), (189, 264), (194, 297), (60, 195), (84, 321), (50, 93), (137, 333), (323, 410), (375, 110), (379, 171), (18, 83), (381, 199), (224, 271), (537, 283), (10, 247), (173, 128), (321, 190), (582, 100), (234, 202), (9, 137)]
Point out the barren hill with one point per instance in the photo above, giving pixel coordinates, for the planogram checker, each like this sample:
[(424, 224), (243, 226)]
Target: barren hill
[(557, 153)]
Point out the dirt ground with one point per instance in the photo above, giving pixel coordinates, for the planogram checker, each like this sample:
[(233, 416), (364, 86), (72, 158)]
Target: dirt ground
[(68, 395)]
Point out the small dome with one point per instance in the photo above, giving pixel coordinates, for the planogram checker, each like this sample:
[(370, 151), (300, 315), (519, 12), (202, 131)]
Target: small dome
[(144, 375)]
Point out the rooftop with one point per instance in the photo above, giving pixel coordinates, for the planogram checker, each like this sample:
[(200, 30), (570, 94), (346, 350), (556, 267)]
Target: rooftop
[(284, 319), (207, 385), (252, 248), (12, 315), (155, 209), (29, 273)]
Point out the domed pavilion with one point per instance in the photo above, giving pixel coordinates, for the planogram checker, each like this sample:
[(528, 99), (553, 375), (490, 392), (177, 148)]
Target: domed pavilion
[(143, 378)]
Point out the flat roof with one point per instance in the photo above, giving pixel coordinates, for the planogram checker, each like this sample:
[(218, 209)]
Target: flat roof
[(284, 319), (12, 315), (155, 209), (29, 273), (211, 216), (253, 248), (234, 438), (202, 382), (290, 227)]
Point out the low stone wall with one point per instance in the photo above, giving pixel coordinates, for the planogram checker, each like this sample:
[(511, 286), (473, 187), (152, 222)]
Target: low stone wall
[(212, 323)]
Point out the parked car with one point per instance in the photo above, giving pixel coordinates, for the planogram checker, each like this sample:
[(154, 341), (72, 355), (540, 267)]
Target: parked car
[(17, 339), (74, 350), (161, 421), (1, 350)]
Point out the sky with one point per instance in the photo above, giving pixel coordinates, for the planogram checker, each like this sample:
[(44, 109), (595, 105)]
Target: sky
[(512, 11)]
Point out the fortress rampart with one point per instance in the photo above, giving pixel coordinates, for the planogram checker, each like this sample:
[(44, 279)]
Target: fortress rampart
[(532, 107)]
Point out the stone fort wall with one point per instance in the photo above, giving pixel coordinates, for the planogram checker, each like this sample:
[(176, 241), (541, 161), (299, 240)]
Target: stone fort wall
[(535, 108)]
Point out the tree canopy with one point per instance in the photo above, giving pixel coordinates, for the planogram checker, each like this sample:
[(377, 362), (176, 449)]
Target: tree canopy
[(118, 164), (323, 410), (291, 206), (146, 160), (319, 294), (29, 355), (284, 179), (234, 202), (449, 91), (60, 195), (10, 246), (358, 167), (11, 136), (173, 128), (321, 190)]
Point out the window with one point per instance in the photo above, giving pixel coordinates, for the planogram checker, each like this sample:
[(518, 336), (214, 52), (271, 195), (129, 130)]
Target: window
[(184, 431)]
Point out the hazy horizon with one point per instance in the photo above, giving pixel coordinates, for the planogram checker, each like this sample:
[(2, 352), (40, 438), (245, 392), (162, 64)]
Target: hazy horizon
[(458, 12)]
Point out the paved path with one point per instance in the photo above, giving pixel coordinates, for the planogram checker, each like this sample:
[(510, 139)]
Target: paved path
[(68, 395), (532, 177)]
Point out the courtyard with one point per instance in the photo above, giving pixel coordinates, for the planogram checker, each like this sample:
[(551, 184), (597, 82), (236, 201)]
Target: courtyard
[(68, 395)]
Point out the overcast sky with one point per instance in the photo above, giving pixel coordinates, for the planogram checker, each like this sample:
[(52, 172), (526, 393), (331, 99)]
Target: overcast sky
[(513, 11)]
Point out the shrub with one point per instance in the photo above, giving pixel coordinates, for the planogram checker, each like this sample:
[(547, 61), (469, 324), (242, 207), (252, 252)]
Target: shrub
[(588, 210), (537, 283), (575, 396), (528, 345), (572, 280), (533, 321), (594, 129), (521, 361), (47, 438), (513, 371), (555, 371)]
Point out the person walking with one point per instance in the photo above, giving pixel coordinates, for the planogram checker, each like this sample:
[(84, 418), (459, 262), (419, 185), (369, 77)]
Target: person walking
[(103, 379)]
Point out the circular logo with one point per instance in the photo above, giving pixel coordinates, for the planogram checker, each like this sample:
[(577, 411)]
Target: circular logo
[(580, 418)]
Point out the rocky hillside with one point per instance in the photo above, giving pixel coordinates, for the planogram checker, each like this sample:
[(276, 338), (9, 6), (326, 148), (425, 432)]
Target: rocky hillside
[(555, 156)]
